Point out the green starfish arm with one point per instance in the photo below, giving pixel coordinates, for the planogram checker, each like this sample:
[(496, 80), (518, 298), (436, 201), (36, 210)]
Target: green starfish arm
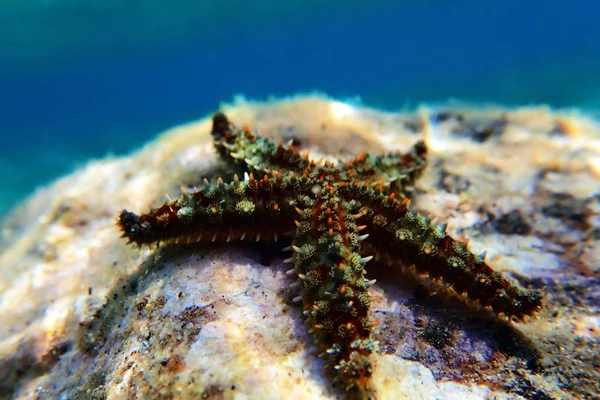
[(255, 153), (335, 291), (402, 234), (395, 171), (260, 209)]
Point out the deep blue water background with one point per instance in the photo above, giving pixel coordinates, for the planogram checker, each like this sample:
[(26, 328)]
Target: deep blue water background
[(113, 93)]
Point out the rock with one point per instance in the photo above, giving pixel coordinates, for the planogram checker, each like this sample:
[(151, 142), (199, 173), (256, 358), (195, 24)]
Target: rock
[(82, 315)]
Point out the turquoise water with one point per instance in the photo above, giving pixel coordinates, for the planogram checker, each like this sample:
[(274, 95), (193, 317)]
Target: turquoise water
[(83, 79)]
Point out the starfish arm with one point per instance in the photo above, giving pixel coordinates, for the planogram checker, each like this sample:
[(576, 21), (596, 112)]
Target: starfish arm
[(395, 170), (249, 208), (253, 152), (335, 294), (406, 235)]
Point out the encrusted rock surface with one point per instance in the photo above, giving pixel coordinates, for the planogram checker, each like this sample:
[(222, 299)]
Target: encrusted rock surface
[(82, 315)]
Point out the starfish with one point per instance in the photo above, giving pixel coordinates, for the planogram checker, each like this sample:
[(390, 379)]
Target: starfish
[(326, 208)]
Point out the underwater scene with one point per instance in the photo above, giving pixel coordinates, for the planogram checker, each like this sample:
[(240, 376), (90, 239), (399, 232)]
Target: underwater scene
[(300, 200)]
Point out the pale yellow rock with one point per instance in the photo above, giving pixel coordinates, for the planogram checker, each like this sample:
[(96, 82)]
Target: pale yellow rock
[(82, 315)]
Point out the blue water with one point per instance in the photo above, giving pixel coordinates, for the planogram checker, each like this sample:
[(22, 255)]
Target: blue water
[(112, 85)]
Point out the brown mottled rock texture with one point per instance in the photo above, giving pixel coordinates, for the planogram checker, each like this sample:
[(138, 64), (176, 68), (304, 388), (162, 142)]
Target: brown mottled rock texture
[(82, 315)]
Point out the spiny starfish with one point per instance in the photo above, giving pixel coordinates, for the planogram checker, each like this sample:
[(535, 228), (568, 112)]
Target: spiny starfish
[(321, 206)]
